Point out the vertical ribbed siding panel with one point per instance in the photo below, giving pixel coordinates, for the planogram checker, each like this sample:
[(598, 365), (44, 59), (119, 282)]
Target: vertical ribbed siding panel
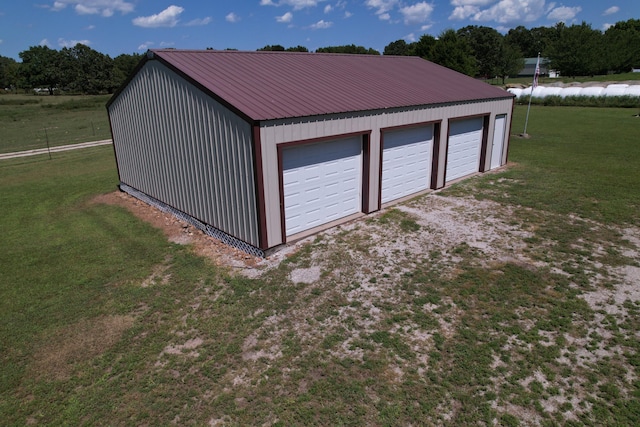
[(178, 145)]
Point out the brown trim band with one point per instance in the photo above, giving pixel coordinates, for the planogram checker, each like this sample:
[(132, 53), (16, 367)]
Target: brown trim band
[(259, 186), (485, 142), (435, 155), (366, 171)]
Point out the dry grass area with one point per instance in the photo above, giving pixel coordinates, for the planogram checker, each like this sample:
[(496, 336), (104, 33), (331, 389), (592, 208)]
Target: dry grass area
[(444, 310), (76, 344)]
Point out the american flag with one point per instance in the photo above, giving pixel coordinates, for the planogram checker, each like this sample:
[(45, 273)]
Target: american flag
[(536, 73)]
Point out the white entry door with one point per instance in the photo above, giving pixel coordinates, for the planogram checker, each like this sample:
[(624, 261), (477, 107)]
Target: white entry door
[(465, 142), (322, 182), (499, 130), (406, 162)]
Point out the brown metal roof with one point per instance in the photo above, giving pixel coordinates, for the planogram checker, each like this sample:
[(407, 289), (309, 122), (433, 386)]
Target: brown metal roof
[(274, 85)]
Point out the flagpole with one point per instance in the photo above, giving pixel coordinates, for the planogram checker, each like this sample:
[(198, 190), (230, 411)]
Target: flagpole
[(533, 86)]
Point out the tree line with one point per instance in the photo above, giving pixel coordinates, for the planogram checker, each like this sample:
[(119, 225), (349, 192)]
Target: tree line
[(77, 69), (576, 50), (478, 51)]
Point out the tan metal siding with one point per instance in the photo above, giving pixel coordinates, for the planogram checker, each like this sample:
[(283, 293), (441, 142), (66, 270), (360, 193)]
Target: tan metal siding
[(275, 132), (180, 146)]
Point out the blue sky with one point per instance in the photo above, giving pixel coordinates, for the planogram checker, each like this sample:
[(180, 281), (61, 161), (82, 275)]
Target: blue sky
[(127, 26)]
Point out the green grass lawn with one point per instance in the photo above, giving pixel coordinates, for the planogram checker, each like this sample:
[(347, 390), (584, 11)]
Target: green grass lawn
[(29, 121), (102, 321), (578, 160)]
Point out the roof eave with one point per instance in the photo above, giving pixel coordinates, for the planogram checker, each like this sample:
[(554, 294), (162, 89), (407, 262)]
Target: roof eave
[(383, 110)]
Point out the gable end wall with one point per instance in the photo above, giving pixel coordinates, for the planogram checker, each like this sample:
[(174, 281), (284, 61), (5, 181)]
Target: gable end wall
[(180, 146)]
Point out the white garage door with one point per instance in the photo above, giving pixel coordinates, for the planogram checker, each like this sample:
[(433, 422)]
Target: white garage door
[(498, 141), (322, 182), (406, 162), (465, 142)]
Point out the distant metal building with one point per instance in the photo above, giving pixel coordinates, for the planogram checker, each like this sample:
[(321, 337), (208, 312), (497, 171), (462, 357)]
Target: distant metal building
[(530, 68), (262, 148)]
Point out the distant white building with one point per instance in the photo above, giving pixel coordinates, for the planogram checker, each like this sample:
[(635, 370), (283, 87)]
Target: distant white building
[(530, 68)]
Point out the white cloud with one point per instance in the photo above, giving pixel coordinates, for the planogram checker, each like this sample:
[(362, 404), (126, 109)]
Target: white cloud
[(166, 18), (286, 18), (382, 6), (145, 45), (199, 22), (384, 17), (321, 25), (232, 17), (512, 11), (71, 43), (462, 3), (417, 13), (105, 8), (611, 10), (328, 8), (606, 26), (90, 27), (348, 14), (44, 42), (296, 4), (564, 13), (167, 44), (411, 37), (464, 12)]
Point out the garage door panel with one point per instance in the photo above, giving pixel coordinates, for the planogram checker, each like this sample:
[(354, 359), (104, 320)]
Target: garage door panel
[(465, 141), (406, 162), (321, 182)]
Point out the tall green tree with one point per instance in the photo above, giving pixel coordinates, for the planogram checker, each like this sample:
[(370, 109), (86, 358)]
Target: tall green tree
[(543, 39), (424, 47), (397, 48), (271, 48), (41, 67), (578, 50), (280, 48), (123, 66), (9, 69), (453, 51), (623, 45), (297, 49), (510, 61), (351, 48), (522, 38), (86, 70), (486, 44)]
